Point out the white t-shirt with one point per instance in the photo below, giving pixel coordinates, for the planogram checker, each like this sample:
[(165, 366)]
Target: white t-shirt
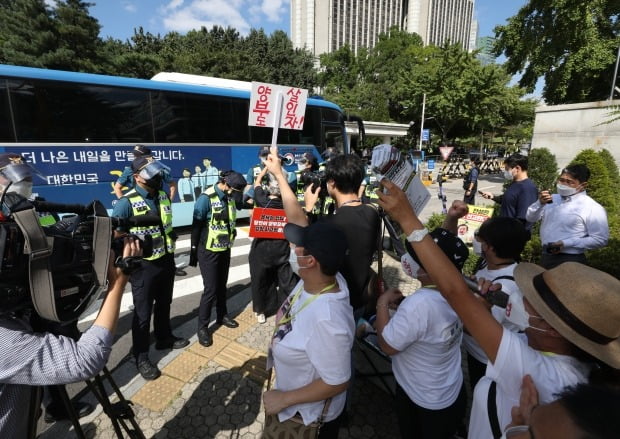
[(427, 332), (515, 359), (317, 344), (508, 286)]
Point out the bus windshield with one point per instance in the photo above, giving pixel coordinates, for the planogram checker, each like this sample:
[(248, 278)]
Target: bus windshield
[(79, 130)]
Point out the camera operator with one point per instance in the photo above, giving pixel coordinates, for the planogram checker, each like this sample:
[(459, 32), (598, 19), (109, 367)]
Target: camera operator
[(29, 358), (360, 222), (153, 282)]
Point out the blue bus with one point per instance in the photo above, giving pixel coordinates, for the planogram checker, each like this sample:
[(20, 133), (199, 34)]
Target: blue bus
[(78, 129)]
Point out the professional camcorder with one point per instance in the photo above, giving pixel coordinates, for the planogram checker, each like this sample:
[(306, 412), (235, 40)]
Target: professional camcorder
[(315, 178), (58, 270)]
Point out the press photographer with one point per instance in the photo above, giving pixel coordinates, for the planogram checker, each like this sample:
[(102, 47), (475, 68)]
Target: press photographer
[(29, 359)]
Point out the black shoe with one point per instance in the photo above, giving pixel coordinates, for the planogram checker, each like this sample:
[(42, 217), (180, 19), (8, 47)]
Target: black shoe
[(56, 412), (148, 370), (228, 322), (204, 337), (172, 342)]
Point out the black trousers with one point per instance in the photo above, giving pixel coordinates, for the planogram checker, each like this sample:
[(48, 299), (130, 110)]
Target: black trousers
[(272, 276), (549, 261), (151, 287), (417, 422), (214, 268)]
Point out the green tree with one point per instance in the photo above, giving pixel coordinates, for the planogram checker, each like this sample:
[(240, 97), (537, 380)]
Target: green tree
[(78, 45), (571, 44), (27, 33), (542, 168)]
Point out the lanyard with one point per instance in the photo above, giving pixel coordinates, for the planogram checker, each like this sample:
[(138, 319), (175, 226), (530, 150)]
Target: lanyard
[(288, 317)]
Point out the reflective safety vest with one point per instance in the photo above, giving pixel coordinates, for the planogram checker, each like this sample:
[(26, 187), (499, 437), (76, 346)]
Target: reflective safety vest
[(46, 219), (161, 234), (300, 186), (221, 227)]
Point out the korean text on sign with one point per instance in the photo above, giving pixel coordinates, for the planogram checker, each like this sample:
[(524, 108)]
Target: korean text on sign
[(263, 106)]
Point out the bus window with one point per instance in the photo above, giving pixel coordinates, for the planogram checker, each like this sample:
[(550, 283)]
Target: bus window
[(6, 131), (182, 117), (333, 138), (64, 112)]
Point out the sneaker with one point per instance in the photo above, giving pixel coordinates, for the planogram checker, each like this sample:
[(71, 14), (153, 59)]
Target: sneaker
[(148, 370), (172, 342), (261, 318)]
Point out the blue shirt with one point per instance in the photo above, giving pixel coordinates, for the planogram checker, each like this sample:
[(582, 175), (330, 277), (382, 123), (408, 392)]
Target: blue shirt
[(28, 359), (202, 207), (122, 208), (517, 198)]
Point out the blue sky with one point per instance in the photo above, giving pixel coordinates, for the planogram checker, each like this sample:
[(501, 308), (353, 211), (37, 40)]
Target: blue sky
[(118, 18)]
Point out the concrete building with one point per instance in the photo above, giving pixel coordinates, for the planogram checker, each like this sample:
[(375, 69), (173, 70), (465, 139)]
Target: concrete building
[(323, 26)]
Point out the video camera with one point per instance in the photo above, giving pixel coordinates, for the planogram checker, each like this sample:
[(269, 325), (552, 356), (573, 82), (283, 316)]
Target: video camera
[(315, 178), (58, 270)]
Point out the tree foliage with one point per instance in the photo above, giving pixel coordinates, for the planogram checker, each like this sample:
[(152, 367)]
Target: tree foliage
[(572, 44)]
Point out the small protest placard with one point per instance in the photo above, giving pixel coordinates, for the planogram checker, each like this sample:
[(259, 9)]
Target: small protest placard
[(472, 221), (388, 162), (267, 223), (264, 106)]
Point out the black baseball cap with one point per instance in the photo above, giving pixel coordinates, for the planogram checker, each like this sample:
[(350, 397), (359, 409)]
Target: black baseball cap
[(325, 241), (15, 168), (141, 150), (237, 182), (453, 247)]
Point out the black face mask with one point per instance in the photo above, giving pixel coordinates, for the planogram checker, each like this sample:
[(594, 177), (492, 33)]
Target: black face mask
[(154, 183)]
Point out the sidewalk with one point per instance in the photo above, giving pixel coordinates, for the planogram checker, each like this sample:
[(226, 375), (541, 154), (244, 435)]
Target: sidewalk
[(215, 392)]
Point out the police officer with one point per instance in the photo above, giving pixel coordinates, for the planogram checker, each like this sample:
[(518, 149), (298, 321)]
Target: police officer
[(368, 188), (152, 283), (126, 179), (213, 235)]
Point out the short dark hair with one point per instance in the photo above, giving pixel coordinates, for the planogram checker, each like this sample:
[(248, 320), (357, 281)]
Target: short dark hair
[(506, 235), (577, 171), (516, 160), (347, 171), (594, 409)]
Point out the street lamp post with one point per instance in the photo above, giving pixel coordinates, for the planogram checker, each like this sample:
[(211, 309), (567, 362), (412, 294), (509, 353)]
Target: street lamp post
[(422, 121)]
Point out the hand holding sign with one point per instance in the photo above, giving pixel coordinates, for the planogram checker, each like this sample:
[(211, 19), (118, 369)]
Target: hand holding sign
[(273, 162)]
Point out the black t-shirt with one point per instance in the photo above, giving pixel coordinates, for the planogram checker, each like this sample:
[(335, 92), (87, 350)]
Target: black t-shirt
[(261, 199), (361, 227)]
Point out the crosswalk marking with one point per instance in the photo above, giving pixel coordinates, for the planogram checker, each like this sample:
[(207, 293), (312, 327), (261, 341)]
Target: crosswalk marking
[(184, 286)]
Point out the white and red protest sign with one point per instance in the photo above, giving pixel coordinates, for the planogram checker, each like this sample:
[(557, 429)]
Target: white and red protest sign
[(267, 223), (264, 101), (446, 151)]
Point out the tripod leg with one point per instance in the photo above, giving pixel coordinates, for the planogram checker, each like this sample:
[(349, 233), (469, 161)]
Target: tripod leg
[(66, 402), (120, 412)]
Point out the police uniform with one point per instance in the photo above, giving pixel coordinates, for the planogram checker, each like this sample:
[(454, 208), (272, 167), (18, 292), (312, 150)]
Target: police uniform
[(370, 187), (153, 282), (213, 236)]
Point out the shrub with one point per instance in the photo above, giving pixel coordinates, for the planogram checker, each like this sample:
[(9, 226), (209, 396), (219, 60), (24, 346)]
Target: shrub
[(601, 185), (542, 168)]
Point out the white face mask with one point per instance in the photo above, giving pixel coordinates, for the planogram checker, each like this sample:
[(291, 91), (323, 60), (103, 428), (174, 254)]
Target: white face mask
[(565, 191), (410, 266), (23, 188), (301, 166), (508, 174), (477, 246), (518, 316), (293, 260)]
